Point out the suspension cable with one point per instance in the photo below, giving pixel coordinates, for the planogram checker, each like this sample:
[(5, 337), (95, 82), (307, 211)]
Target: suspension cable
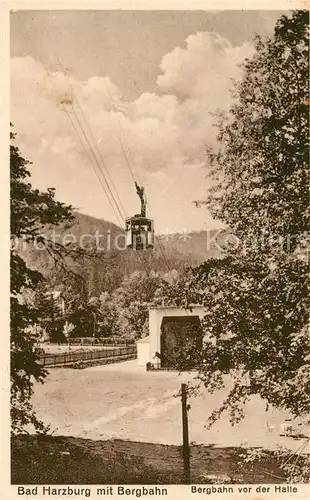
[(106, 187), (134, 179), (85, 135)]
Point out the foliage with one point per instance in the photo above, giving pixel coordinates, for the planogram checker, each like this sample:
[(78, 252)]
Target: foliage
[(295, 467), (125, 311), (185, 292), (71, 286), (68, 329), (122, 313), (261, 170), (31, 212), (108, 323), (256, 327), (99, 270), (132, 300)]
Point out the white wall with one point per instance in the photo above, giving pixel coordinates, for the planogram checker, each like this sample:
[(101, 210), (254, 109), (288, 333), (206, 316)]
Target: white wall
[(143, 353)]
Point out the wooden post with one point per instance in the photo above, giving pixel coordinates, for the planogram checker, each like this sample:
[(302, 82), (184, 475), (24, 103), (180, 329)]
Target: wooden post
[(186, 451)]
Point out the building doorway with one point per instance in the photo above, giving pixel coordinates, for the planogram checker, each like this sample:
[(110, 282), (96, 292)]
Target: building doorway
[(180, 342)]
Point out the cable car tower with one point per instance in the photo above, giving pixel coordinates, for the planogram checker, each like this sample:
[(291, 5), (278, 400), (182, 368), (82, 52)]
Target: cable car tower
[(140, 229)]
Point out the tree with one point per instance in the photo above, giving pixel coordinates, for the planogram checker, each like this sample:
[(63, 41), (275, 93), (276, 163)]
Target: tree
[(67, 331), (185, 292), (257, 295), (108, 322), (132, 300), (32, 212), (70, 283)]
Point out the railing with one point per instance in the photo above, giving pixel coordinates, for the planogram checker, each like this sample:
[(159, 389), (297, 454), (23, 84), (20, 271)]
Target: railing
[(72, 357), (109, 341)]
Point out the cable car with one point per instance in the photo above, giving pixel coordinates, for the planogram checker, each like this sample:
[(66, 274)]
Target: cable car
[(140, 229)]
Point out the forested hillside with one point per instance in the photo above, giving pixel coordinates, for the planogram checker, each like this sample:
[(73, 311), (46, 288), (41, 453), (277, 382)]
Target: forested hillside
[(106, 263)]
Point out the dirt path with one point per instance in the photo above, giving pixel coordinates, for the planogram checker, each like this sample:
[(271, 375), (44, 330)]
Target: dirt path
[(123, 401)]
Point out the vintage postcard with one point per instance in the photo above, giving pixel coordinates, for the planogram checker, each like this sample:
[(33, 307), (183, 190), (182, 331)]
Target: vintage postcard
[(156, 213)]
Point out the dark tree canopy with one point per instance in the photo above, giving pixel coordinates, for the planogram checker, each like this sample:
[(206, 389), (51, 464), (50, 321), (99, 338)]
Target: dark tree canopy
[(262, 166), (256, 328), (31, 212)]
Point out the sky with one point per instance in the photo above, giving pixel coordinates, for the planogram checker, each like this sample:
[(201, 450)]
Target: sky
[(99, 98)]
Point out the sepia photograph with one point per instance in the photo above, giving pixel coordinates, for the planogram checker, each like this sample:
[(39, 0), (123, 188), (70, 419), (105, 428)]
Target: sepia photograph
[(159, 252)]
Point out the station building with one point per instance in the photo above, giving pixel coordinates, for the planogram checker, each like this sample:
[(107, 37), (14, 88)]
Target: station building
[(171, 330)]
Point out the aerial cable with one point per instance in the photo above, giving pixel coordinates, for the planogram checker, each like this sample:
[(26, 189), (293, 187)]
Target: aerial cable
[(96, 160), (117, 216), (82, 113), (134, 179), (98, 165), (90, 160), (121, 221), (126, 156), (75, 128), (101, 158), (140, 257), (119, 137), (77, 119)]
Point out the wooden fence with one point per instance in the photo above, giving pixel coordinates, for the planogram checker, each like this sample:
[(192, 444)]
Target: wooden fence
[(96, 354)]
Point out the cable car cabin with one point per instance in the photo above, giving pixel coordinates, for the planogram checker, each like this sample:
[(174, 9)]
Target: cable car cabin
[(139, 233), (140, 229)]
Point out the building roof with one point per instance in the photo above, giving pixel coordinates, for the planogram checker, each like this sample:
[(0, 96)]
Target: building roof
[(191, 306)]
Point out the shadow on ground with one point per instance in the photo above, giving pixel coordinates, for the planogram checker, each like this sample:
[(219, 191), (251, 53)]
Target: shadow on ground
[(69, 460)]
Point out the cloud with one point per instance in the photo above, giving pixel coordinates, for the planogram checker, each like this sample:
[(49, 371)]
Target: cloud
[(203, 69), (201, 75), (164, 133)]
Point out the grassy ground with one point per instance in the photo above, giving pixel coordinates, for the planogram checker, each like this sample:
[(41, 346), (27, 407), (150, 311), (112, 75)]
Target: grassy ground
[(64, 460)]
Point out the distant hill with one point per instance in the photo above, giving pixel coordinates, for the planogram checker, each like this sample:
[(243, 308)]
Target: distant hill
[(111, 263), (200, 245), (87, 225)]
